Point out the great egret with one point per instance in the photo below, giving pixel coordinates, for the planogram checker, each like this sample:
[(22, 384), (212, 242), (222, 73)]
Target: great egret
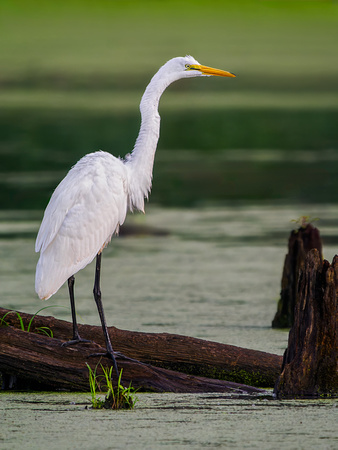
[(91, 202)]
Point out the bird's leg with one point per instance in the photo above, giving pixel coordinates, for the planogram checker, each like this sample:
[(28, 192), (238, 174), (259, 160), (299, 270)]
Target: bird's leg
[(98, 301), (71, 282), (76, 337)]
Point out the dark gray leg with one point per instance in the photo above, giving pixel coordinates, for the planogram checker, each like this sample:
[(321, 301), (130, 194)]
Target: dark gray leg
[(76, 337), (98, 301)]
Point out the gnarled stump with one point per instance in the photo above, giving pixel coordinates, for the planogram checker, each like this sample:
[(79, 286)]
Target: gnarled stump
[(301, 241), (310, 363)]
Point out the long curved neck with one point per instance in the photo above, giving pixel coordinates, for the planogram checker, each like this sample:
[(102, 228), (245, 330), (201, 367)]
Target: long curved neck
[(141, 161)]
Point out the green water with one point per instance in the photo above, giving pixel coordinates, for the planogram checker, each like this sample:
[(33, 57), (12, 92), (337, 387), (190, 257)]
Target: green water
[(210, 272), (214, 275), (34, 421)]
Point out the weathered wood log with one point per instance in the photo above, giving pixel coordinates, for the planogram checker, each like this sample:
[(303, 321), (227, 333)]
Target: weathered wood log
[(39, 362), (310, 363), (173, 352), (301, 241)]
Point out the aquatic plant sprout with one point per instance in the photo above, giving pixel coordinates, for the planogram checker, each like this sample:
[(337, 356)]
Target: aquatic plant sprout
[(117, 397), (45, 330)]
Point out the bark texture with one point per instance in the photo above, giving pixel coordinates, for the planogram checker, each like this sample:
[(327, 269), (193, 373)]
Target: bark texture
[(41, 359), (310, 363), (301, 241)]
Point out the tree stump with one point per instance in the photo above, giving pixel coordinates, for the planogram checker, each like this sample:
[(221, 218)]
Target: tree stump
[(310, 363), (301, 241)]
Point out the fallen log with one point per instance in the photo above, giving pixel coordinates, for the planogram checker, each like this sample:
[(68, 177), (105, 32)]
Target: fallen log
[(310, 363), (39, 362), (162, 351), (301, 241)]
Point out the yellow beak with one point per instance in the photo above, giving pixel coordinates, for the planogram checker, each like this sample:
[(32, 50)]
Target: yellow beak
[(210, 71)]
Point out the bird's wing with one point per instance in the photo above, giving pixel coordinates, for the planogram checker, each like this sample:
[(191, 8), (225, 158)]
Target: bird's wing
[(97, 179), (85, 210)]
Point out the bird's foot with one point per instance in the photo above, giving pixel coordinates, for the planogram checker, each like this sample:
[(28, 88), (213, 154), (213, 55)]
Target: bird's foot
[(114, 355), (110, 355), (107, 354), (74, 341)]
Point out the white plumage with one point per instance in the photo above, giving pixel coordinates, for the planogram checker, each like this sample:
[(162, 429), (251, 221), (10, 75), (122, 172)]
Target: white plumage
[(85, 210), (91, 202)]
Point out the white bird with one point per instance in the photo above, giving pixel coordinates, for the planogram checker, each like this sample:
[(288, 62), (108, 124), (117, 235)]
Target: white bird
[(91, 202)]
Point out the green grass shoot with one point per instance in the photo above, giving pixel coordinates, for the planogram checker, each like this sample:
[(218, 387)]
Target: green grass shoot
[(304, 221), (117, 397), (44, 330)]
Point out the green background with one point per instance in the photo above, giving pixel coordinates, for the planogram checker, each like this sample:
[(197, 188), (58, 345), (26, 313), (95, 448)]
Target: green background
[(72, 75)]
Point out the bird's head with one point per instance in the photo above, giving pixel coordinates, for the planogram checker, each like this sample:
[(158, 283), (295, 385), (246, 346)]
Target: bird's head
[(188, 67), (173, 70)]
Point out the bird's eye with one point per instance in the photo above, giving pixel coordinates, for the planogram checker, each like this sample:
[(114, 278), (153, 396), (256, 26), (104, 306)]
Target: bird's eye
[(188, 66)]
